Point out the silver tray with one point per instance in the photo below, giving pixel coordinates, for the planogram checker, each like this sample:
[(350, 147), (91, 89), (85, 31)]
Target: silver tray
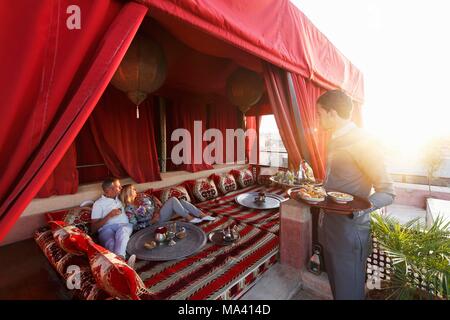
[(195, 239), (248, 200), (216, 237)]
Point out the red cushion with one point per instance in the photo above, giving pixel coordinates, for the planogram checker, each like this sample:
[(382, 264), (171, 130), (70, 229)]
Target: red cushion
[(225, 182), (114, 275), (72, 216), (70, 238), (244, 177), (179, 192), (205, 189)]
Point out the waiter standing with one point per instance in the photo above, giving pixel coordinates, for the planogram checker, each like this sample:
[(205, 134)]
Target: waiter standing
[(355, 165)]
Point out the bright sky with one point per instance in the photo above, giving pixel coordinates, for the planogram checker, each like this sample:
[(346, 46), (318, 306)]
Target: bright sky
[(403, 49)]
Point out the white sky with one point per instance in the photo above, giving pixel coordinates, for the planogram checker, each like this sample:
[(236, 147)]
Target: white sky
[(403, 49)]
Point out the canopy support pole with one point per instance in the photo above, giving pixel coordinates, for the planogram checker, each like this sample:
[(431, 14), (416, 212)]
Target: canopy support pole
[(163, 144)]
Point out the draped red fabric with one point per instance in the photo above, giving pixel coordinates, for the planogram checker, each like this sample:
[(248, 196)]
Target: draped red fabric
[(37, 71), (278, 93), (273, 30), (90, 163), (64, 179), (126, 144), (222, 115), (36, 74), (182, 114), (307, 94), (252, 143)]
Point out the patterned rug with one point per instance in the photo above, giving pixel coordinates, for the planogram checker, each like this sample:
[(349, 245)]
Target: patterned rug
[(263, 219)]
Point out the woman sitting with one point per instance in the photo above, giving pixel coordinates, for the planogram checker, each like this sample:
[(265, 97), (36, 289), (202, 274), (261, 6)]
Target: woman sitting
[(149, 210)]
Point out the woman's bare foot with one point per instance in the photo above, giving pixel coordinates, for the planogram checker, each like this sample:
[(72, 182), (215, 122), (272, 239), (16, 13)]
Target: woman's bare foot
[(193, 220), (206, 217)]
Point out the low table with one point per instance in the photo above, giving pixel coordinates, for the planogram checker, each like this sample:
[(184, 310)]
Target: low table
[(272, 200), (192, 243)]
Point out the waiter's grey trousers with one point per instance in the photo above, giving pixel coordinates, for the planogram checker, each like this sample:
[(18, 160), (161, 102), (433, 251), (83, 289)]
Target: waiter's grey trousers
[(347, 244)]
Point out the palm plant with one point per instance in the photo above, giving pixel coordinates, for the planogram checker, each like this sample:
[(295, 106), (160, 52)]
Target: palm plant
[(420, 257)]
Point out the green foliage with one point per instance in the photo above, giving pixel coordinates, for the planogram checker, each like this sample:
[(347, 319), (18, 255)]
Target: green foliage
[(415, 252)]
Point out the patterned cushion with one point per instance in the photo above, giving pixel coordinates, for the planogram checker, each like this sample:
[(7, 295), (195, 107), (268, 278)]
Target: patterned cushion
[(205, 189), (225, 183), (79, 216), (70, 238), (113, 275), (244, 177), (61, 260), (179, 192), (264, 180)]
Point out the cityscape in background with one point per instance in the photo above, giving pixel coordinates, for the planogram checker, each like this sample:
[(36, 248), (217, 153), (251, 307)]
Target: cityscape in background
[(405, 166)]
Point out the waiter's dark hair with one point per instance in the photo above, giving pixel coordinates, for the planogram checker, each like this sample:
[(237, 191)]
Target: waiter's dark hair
[(107, 183), (337, 100)]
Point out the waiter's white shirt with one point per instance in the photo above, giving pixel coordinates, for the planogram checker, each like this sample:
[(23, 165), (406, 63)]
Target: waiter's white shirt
[(105, 205), (344, 130)]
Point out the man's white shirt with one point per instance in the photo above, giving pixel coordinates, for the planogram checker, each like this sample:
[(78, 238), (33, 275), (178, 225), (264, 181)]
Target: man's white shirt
[(343, 131), (105, 205)]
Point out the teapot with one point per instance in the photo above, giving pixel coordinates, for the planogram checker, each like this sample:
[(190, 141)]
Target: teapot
[(160, 234), (261, 197)]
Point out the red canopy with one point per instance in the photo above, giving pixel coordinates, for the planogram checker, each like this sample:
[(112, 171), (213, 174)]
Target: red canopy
[(274, 30), (53, 76)]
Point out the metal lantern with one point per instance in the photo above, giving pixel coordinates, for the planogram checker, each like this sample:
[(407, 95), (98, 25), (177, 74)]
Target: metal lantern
[(142, 70), (244, 88)]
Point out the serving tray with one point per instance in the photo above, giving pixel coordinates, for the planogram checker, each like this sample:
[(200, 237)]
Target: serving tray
[(248, 200), (331, 206), (195, 239), (216, 237)]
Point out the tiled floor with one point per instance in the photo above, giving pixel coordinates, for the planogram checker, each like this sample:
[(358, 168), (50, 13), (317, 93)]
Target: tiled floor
[(278, 283), (281, 282), (405, 214)]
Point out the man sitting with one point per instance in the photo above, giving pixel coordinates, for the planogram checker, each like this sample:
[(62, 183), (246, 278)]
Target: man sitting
[(111, 222)]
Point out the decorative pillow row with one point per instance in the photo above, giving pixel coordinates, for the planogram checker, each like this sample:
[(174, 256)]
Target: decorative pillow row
[(111, 272)]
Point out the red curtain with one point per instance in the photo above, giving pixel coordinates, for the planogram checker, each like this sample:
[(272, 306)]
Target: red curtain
[(90, 163), (37, 73), (126, 144), (181, 114), (251, 143), (64, 179), (278, 92), (222, 115), (306, 94)]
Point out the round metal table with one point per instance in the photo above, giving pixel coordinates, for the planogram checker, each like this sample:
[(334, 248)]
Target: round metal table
[(195, 239), (248, 200)]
